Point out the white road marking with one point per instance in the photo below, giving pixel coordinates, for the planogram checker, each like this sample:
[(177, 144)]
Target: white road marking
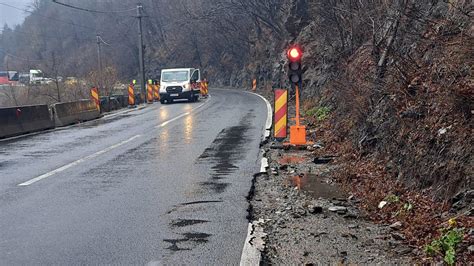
[(171, 120), (254, 244), (182, 115), (268, 122), (264, 165), (67, 166)]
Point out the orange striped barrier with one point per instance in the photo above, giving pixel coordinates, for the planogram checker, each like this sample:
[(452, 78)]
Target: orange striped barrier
[(149, 93), (254, 85), (206, 87), (202, 89), (281, 114), (95, 97), (131, 95), (156, 92)]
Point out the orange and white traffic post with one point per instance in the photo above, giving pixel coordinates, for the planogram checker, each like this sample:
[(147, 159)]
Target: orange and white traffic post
[(204, 88), (149, 95), (254, 85), (95, 97), (281, 114), (131, 96), (156, 91)]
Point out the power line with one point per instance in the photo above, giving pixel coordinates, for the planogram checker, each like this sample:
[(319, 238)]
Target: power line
[(122, 35), (102, 40), (55, 19), (94, 11)]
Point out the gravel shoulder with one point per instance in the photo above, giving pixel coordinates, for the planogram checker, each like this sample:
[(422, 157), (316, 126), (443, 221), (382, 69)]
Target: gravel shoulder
[(308, 220)]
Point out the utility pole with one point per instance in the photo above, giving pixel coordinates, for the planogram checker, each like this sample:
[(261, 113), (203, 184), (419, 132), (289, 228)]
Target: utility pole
[(141, 77), (55, 69), (99, 58)]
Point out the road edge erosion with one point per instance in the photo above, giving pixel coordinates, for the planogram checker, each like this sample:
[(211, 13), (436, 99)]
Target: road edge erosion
[(280, 209), (254, 243)]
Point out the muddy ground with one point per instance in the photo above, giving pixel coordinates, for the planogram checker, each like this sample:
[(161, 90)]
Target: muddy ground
[(308, 220)]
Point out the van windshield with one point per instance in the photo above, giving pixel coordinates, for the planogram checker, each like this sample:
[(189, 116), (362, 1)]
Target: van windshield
[(13, 75), (177, 76)]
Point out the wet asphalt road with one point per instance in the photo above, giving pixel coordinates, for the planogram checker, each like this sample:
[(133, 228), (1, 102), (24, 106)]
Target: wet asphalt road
[(161, 185)]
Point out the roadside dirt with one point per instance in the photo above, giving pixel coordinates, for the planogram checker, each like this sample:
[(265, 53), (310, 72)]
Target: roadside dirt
[(309, 220), (321, 204)]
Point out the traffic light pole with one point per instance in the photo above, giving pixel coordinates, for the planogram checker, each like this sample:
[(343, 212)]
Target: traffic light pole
[(295, 75), (297, 105), (141, 77)]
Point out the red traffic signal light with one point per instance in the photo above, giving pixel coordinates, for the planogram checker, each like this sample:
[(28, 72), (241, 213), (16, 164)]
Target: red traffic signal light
[(294, 53), (295, 72)]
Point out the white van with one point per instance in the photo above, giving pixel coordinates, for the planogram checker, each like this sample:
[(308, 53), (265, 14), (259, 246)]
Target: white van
[(180, 83)]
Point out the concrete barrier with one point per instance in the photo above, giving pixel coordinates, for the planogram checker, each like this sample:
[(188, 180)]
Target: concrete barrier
[(24, 119), (74, 112)]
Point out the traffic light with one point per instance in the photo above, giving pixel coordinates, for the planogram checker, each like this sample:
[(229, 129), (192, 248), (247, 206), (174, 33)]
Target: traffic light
[(295, 72)]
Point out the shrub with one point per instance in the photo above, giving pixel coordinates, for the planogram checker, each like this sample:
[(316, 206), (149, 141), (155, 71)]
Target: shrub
[(321, 113), (446, 244)]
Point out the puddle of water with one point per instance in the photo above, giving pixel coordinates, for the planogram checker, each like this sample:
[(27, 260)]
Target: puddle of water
[(317, 186)]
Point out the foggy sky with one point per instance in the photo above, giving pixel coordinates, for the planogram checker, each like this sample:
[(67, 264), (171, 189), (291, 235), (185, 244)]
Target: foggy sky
[(12, 16)]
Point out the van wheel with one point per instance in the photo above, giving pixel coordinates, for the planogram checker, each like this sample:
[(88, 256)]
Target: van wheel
[(196, 98), (162, 101)]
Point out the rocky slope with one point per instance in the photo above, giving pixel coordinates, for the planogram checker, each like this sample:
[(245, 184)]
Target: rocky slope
[(389, 91)]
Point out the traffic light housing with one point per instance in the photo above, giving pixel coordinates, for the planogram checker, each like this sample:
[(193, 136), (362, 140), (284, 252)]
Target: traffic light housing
[(295, 71)]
